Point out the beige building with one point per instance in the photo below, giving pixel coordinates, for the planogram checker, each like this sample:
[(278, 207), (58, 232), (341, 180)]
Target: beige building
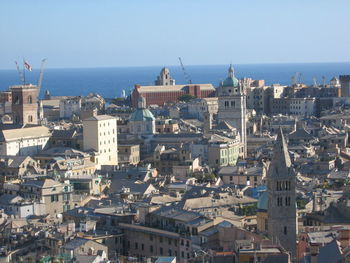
[(167, 126), (54, 197), (100, 136), (128, 153), (24, 141)]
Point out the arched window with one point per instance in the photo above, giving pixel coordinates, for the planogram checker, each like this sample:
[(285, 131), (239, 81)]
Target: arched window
[(16, 100), (30, 118), (30, 99)]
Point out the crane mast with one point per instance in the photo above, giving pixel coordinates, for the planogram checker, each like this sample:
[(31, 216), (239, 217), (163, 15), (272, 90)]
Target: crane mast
[(40, 81), (20, 73), (187, 77)]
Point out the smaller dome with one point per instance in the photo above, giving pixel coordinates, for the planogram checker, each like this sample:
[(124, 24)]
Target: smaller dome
[(231, 80), (263, 202), (142, 115)]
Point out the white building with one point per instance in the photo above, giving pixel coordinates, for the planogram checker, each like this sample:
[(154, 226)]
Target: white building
[(24, 141), (100, 136), (304, 107)]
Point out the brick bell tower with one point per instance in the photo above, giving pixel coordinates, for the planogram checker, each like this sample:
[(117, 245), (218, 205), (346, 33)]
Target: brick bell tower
[(24, 104)]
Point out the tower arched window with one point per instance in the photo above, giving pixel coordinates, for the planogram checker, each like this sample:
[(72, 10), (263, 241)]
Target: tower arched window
[(30, 99), (16, 100)]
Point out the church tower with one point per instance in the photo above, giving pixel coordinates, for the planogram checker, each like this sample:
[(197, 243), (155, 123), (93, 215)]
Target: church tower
[(232, 106), (164, 78), (24, 104), (281, 183)]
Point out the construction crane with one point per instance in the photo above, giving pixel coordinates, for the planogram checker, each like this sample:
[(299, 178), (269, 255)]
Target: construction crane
[(323, 81), (315, 85), (187, 77), (40, 81), (20, 73)]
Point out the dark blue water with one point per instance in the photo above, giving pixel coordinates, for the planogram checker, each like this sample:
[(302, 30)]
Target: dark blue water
[(109, 82)]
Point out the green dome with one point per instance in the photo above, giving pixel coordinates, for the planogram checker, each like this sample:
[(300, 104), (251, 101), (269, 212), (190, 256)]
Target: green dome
[(142, 115), (230, 82), (263, 202)]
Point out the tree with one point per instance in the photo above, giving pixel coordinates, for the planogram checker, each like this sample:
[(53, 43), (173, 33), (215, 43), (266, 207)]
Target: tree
[(186, 97)]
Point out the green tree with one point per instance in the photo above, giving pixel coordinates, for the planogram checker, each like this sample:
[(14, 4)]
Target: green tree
[(186, 98)]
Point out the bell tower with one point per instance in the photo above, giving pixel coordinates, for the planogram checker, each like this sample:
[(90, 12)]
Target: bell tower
[(281, 184), (232, 106), (24, 104)]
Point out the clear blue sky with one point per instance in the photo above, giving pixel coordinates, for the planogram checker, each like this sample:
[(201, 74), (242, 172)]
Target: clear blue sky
[(104, 33)]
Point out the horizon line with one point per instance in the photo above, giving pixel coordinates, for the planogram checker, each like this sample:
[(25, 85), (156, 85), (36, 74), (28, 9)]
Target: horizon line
[(190, 65)]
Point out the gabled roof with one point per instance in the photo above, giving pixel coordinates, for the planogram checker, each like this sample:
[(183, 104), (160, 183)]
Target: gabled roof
[(27, 133), (300, 133), (46, 183), (224, 125), (64, 134)]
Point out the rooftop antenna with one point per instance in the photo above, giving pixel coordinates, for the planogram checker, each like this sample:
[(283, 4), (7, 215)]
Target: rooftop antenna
[(187, 77)]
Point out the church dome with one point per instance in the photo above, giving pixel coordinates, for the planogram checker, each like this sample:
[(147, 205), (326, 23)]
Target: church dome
[(142, 115), (231, 80), (263, 202)]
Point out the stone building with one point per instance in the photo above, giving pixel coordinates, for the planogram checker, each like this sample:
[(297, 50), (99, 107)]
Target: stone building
[(233, 107), (281, 188)]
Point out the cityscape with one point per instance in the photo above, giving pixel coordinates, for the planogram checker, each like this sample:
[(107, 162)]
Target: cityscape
[(241, 170)]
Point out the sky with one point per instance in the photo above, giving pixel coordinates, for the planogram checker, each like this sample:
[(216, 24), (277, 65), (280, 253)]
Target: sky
[(124, 33)]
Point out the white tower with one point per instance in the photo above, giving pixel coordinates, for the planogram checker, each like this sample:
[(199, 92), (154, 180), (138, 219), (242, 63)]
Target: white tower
[(232, 106)]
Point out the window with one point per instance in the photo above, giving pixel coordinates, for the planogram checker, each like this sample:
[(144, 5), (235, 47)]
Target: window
[(30, 99), (161, 251), (136, 245), (30, 118), (285, 230), (151, 249)]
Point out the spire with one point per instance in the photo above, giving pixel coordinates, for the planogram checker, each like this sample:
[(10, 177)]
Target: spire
[(281, 163), (231, 71)]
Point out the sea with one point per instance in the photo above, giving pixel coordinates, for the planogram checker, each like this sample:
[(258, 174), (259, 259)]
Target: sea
[(110, 82)]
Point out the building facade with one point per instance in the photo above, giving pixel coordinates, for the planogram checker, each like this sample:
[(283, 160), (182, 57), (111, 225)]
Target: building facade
[(100, 136), (24, 141)]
